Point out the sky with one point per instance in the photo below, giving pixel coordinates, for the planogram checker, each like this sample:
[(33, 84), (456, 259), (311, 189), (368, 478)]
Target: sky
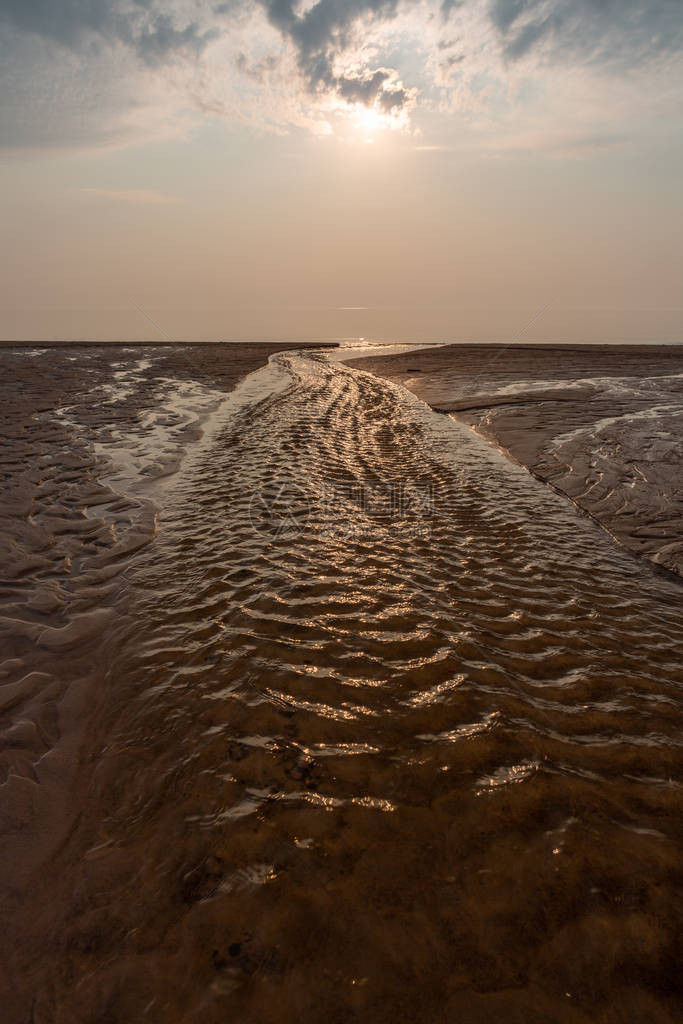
[(394, 169)]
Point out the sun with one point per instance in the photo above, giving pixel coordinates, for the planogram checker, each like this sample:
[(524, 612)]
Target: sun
[(369, 122)]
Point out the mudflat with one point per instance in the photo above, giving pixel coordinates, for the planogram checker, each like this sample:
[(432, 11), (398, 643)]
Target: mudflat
[(601, 423), (314, 706)]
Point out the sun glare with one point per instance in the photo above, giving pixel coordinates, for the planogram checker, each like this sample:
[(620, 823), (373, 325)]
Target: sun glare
[(369, 122)]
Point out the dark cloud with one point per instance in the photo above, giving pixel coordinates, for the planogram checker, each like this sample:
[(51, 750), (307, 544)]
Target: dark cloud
[(322, 33), (324, 29), (375, 87), (452, 61), (391, 101), (362, 88), (319, 35), (609, 32), (150, 32), (447, 6), (258, 70)]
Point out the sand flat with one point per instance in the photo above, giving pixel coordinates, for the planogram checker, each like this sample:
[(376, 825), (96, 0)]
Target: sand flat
[(333, 712), (88, 434), (601, 423)]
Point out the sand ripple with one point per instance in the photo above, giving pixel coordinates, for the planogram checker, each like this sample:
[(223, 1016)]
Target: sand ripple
[(393, 735)]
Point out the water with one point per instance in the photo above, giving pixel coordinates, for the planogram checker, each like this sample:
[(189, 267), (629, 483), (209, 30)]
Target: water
[(603, 426), (383, 730)]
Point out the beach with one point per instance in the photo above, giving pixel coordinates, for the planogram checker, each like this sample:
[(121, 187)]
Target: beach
[(317, 705)]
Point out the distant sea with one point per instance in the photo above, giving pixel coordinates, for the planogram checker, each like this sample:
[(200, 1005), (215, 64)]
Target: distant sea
[(350, 322)]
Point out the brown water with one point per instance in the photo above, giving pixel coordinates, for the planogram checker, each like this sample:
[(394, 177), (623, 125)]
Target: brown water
[(379, 728)]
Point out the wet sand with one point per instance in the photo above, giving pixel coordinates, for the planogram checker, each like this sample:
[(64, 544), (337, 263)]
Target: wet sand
[(316, 707), (602, 424), (90, 435)]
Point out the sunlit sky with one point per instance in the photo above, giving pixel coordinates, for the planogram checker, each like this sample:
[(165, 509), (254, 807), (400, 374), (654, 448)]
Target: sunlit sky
[(341, 168)]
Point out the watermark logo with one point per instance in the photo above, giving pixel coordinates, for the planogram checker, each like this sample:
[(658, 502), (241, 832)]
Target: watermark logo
[(281, 508)]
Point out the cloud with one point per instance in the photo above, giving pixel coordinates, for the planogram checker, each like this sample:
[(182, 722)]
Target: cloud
[(323, 33), (256, 70), (91, 72), (447, 6), (381, 88), (131, 195), (152, 33), (622, 33), (52, 97)]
